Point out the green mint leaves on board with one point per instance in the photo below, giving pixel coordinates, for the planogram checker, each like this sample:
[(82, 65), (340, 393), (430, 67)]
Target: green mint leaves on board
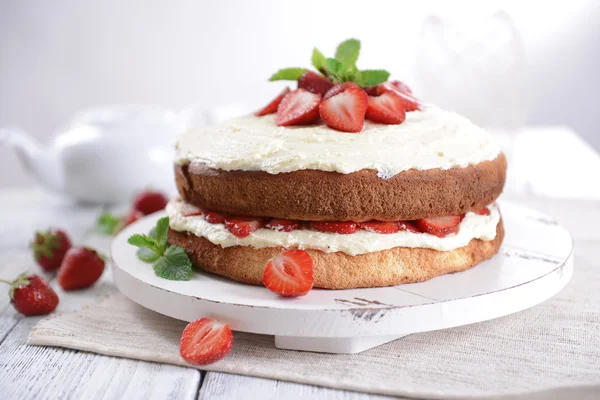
[(341, 68), (169, 262), (107, 224)]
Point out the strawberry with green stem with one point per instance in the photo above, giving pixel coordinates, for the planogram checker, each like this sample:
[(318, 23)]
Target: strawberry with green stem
[(32, 295), (49, 248)]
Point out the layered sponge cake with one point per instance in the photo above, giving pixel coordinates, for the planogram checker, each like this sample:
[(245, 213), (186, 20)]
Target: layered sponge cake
[(375, 186)]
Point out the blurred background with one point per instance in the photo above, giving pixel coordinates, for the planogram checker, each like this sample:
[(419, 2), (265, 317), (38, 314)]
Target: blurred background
[(505, 64)]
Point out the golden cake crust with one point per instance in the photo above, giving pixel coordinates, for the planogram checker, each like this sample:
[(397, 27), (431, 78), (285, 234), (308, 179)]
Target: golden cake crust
[(330, 196), (340, 270)]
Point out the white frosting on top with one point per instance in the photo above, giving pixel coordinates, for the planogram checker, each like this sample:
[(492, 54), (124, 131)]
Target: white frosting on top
[(473, 226), (431, 138)]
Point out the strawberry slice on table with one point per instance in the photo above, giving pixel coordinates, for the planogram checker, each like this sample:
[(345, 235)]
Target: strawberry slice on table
[(483, 211), (314, 83), (290, 274), (384, 227), (81, 268), (31, 295), (439, 226), (343, 228), (299, 107), (271, 108), (243, 226), (386, 109), (205, 341), (408, 226), (344, 107), (283, 225), (49, 248), (214, 218), (150, 201)]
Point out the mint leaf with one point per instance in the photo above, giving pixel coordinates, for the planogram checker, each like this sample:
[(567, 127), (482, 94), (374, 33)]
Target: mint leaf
[(334, 67), (347, 52), (288, 74), (372, 77), (107, 223), (147, 255), (160, 232), (138, 240), (318, 60), (174, 265)]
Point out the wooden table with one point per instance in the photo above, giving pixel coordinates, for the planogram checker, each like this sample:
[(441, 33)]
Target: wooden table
[(44, 372)]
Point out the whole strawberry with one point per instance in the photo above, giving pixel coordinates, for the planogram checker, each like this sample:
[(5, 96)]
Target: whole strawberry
[(148, 202), (80, 268), (49, 248), (31, 295)]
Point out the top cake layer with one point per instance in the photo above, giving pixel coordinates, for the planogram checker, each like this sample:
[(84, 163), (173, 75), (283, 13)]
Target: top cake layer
[(429, 139)]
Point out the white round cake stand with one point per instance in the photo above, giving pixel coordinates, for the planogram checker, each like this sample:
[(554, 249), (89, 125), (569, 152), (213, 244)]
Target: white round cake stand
[(534, 263)]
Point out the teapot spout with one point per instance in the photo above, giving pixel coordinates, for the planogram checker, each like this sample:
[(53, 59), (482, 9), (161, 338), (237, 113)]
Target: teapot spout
[(42, 164)]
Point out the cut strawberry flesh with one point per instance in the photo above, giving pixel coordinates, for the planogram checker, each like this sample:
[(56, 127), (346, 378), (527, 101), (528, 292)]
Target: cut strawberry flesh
[(299, 107), (314, 83), (283, 225), (386, 109), (401, 86), (290, 274), (383, 227), (408, 226), (344, 107), (271, 108), (343, 228), (408, 100), (205, 341), (214, 218), (242, 227), (439, 226), (483, 211), (189, 210)]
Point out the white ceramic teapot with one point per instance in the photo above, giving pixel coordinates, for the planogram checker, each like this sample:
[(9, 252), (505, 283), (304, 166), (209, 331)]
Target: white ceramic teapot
[(106, 154)]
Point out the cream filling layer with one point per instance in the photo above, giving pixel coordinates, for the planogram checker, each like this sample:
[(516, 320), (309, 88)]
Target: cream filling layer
[(473, 226), (431, 138)]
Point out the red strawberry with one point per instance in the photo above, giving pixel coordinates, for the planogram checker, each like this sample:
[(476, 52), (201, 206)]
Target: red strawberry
[(214, 218), (283, 225), (81, 268), (148, 202), (408, 226), (408, 100), (271, 108), (243, 226), (205, 341), (439, 226), (299, 107), (314, 83), (344, 107), (342, 228), (31, 295), (189, 210), (384, 227), (49, 248), (386, 109), (483, 211), (290, 274), (401, 87)]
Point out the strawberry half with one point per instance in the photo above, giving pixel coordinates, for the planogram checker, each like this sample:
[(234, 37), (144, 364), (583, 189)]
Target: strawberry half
[(49, 248), (242, 226), (343, 228), (214, 218), (408, 100), (81, 268), (283, 225), (344, 107), (386, 109), (408, 226), (483, 211), (149, 201), (401, 86), (31, 295), (190, 210), (290, 274), (271, 108), (205, 341), (314, 83), (384, 227), (439, 226), (299, 107)]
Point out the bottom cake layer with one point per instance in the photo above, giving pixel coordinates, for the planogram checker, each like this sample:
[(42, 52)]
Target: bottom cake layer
[(339, 270)]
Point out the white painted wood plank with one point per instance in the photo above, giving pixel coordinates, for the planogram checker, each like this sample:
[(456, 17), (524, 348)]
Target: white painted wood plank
[(220, 386)]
